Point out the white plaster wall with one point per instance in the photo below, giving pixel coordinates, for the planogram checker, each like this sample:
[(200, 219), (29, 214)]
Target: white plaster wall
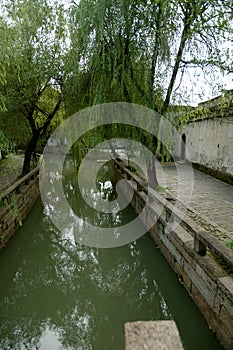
[(210, 143)]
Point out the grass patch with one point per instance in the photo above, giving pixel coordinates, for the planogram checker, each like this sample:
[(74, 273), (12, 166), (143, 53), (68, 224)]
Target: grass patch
[(131, 168), (222, 264), (229, 244), (160, 188), (221, 175)]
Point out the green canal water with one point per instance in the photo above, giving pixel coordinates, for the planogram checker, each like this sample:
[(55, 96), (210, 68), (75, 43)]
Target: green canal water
[(58, 295)]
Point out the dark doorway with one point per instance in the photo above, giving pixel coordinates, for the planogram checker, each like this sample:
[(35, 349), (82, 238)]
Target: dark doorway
[(183, 145)]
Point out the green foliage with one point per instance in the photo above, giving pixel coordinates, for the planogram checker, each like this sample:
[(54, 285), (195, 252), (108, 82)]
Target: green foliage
[(160, 188), (5, 144), (230, 244), (136, 51), (15, 129), (131, 168), (215, 108), (55, 62), (35, 31), (115, 49), (12, 204)]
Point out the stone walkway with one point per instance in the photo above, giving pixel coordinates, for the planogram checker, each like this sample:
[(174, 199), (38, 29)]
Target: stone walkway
[(211, 202), (10, 169)]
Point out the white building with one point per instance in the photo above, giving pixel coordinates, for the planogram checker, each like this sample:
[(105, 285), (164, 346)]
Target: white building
[(208, 140)]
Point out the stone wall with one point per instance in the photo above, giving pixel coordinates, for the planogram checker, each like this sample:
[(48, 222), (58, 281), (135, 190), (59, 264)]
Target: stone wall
[(209, 284), (209, 143), (16, 203)]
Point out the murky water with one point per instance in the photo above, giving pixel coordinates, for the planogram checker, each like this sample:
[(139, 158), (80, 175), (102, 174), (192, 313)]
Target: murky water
[(56, 294)]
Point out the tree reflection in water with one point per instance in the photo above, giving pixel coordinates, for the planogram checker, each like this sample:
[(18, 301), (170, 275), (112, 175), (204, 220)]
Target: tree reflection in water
[(74, 297), (57, 294)]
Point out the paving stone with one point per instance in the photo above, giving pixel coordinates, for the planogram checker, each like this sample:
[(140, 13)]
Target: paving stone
[(211, 198), (162, 335)]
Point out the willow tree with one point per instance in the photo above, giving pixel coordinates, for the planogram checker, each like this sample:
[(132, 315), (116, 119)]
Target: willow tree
[(115, 46), (32, 88), (116, 43), (203, 41), (137, 51), (3, 62)]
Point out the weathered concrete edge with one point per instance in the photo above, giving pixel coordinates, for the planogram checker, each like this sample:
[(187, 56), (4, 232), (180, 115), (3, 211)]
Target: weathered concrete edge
[(163, 335)]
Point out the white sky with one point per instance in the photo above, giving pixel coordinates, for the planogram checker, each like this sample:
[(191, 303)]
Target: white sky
[(199, 87)]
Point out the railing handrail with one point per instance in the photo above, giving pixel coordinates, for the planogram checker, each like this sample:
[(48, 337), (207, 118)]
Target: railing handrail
[(19, 182), (198, 232)]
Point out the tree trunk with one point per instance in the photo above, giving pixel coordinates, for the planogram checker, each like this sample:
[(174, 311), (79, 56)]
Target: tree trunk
[(151, 169), (183, 40), (3, 154), (28, 154), (152, 174), (37, 133)]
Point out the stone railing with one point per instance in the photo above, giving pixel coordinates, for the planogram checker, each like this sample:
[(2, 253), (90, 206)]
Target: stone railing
[(202, 238), (16, 202), (202, 263)]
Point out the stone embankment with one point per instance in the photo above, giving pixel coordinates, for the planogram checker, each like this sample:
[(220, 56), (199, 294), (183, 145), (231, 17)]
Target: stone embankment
[(16, 202), (203, 264)]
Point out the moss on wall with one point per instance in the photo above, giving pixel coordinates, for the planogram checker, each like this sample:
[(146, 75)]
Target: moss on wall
[(217, 174)]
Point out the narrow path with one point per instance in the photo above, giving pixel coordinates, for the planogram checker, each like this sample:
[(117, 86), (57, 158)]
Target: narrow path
[(209, 200), (212, 199)]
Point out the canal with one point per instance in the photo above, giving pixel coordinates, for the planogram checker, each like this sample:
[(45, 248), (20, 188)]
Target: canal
[(56, 294)]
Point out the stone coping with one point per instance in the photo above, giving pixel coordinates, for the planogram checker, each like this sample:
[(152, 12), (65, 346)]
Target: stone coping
[(157, 335)]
